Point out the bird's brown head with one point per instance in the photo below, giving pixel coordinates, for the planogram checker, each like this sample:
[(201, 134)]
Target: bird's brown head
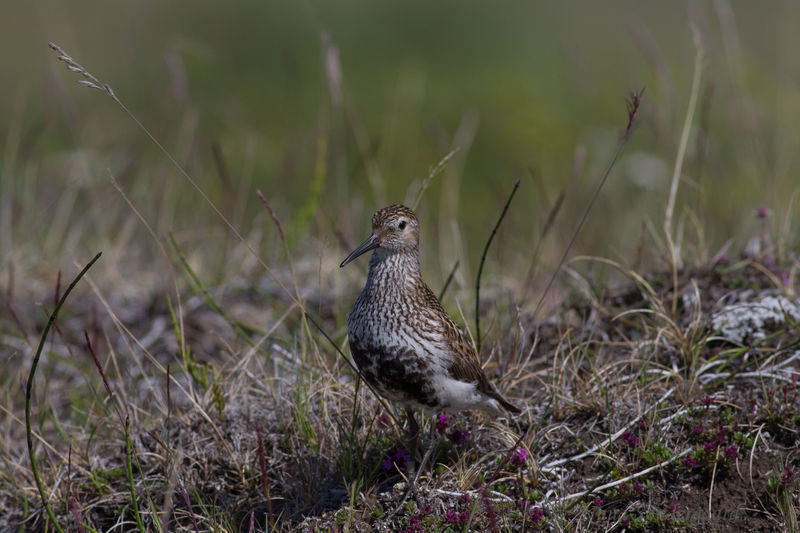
[(394, 229)]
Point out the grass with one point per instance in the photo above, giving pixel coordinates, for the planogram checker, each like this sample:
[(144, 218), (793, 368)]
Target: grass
[(198, 380)]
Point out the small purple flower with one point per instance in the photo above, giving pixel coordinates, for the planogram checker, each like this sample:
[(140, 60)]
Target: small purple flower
[(413, 524), (630, 439), (707, 401), (709, 445), (401, 457), (637, 487), (537, 514), (464, 498), (459, 437), (762, 211), (689, 461), (442, 422), (732, 452), (599, 501), (672, 506), (788, 474), (383, 420), (454, 517), (398, 458), (698, 429), (520, 457)]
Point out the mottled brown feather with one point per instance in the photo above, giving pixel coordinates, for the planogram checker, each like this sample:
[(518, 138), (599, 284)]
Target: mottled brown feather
[(395, 299), (465, 366)]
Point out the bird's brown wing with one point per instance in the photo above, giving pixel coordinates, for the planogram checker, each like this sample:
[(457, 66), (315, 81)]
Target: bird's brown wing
[(465, 366)]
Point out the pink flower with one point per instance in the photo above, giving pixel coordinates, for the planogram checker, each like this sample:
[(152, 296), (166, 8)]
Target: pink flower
[(383, 420), (599, 501), (520, 457), (731, 452), (459, 437), (442, 422), (398, 457), (689, 462), (454, 517), (630, 439)]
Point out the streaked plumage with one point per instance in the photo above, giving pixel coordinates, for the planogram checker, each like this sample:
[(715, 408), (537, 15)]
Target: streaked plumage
[(403, 341)]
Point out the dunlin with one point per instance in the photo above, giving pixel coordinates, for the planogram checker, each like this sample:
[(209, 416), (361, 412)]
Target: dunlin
[(403, 341)]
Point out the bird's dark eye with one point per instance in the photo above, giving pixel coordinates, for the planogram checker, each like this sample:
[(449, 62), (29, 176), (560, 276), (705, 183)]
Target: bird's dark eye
[(402, 225)]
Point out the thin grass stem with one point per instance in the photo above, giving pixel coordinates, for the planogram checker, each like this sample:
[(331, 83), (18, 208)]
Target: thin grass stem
[(29, 389), (483, 260), (633, 103), (674, 255), (449, 279), (129, 471)]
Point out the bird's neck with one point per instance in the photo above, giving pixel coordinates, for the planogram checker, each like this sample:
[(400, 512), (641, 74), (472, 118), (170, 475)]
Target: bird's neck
[(394, 268)]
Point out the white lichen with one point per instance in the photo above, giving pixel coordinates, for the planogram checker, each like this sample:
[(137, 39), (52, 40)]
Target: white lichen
[(752, 321)]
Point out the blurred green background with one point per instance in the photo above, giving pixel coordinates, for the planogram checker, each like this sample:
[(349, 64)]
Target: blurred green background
[(524, 90)]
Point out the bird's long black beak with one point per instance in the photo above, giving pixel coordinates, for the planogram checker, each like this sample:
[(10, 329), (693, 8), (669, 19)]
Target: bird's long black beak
[(370, 244)]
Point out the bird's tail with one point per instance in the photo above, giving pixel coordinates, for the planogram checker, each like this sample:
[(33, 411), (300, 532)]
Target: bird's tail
[(510, 407)]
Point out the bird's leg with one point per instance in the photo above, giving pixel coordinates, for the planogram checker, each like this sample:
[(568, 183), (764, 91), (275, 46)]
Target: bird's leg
[(411, 472), (413, 438), (431, 446)]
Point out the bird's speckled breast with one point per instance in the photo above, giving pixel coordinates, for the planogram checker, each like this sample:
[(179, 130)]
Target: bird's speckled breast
[(395, 343)]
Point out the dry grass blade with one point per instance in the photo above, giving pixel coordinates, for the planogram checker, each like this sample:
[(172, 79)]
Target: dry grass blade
[(674, 254), (610, 439), (626, 479), (633, 103), (432, 173), (73, 66), (552, 214)]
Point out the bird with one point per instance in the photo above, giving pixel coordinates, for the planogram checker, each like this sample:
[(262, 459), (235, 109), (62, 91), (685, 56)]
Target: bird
[(402, 340)]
